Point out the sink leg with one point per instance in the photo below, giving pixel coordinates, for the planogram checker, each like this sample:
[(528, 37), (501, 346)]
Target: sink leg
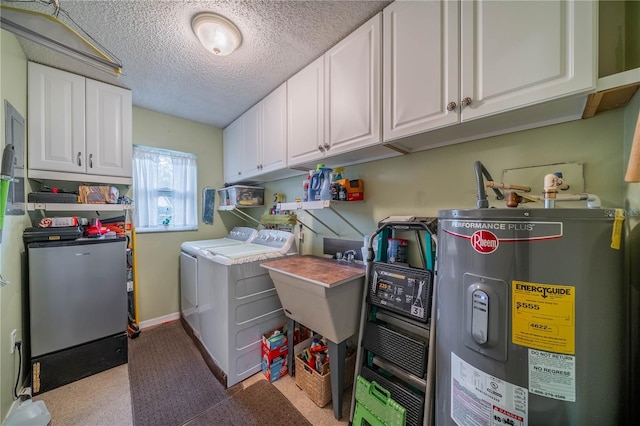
[(290, 365), (337, 355)]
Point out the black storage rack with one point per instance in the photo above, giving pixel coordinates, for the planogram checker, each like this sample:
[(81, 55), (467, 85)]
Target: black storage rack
[(393, 347)]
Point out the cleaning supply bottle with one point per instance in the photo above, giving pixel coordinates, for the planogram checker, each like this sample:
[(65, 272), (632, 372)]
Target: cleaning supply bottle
[(315, 184), (325, 189), (337, 175), (305, 187)]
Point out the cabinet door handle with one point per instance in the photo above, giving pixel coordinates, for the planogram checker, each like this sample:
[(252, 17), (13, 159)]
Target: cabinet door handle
[(79, 160), (91, 161), (320, 148), (327, 147), (466, 102), (451, 106)]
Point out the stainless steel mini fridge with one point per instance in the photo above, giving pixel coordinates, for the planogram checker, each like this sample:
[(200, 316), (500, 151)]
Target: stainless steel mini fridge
[(77, 309)]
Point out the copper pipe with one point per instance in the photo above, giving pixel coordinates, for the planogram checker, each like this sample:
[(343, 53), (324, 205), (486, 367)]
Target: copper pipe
[(493, 184)]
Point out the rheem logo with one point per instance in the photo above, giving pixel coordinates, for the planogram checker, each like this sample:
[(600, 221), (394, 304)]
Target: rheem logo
[(484, 242)]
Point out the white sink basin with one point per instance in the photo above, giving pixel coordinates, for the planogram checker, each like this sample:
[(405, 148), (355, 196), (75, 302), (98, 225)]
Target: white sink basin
[(319, 293)]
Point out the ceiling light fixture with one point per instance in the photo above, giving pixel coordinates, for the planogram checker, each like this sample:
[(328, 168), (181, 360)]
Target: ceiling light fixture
[(51, 32), (216, 33)]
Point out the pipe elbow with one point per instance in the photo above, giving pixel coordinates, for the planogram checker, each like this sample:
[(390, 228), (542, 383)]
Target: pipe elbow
[(593, 201)]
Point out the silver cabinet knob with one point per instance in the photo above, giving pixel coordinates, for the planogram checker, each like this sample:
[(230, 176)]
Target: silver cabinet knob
[(327, 147), (91, 161), (79, 161), (466, 102), (320, 148), (451, 106)]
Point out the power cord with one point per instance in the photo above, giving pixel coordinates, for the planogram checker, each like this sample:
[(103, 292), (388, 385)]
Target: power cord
[(19, 347)]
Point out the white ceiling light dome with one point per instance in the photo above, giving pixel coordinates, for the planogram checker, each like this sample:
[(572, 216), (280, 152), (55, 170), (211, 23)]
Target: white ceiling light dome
[(217, 34)]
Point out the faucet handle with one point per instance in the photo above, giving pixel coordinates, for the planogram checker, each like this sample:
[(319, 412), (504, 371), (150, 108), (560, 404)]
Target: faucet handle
[(350, 255)]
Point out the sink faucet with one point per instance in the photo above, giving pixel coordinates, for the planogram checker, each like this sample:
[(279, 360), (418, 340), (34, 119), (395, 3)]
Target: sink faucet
[(349, 256)]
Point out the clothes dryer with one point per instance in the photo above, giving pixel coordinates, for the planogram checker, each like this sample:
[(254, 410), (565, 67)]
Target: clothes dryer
[(189, 270)]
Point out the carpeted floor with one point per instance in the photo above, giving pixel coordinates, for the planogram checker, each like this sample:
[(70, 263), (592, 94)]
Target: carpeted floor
[(259, 404), (172, 385)]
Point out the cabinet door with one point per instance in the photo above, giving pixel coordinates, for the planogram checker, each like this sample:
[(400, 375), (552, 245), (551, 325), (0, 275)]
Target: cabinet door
[(420, 67), (520, 53), (232, 151), (274, 130), (250, 163), (108, 130), (56, 117), (305, 114), (352, 90)]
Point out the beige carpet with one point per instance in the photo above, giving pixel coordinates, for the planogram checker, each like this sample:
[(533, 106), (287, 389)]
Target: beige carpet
[(101, 399), (105, 399)]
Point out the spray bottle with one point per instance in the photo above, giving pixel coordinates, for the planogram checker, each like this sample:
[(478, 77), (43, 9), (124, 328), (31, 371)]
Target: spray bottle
[(305, 187)]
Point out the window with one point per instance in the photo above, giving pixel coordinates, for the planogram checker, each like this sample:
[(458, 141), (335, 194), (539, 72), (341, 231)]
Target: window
[(164, 190)]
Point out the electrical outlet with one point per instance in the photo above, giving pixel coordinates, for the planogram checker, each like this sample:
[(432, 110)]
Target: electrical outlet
[(14, 338)]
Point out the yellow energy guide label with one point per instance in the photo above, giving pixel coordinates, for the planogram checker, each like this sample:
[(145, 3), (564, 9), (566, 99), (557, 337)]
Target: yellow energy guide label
[(543, 316)]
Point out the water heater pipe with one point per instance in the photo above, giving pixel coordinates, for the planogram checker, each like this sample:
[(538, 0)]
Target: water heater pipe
[(480, 170), (593, 201), (552, 182), (492, 184)]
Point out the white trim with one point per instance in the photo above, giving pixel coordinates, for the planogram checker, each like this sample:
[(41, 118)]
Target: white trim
[(159, 320)]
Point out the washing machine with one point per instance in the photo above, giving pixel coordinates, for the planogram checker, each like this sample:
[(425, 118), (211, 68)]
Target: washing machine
[(239, 303), (189, 270)]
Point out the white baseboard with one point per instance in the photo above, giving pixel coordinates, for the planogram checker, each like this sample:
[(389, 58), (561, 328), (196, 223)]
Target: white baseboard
[(159, 320)]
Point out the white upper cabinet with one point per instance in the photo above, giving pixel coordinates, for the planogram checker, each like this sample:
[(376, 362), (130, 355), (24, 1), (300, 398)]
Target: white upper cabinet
[(305, 114), (334, 102), (519, 53), (232, 151), (352, 90), (513, 55), (108, 131), (56, 112), (79, 129), (420, 66), (256, 143), (251, 143), (274, 130)]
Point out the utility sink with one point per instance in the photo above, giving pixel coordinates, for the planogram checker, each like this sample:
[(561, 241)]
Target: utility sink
[(322, 294)]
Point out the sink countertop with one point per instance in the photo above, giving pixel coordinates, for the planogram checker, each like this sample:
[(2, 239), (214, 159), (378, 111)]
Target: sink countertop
[(326, 272)]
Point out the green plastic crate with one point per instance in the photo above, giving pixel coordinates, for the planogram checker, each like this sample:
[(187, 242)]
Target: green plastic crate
[(374, 405)]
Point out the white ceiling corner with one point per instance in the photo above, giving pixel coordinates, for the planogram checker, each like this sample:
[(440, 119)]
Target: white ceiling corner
[(168, 69)]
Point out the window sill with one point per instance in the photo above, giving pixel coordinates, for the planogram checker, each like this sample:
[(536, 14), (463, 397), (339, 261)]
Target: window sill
[(162, 229)]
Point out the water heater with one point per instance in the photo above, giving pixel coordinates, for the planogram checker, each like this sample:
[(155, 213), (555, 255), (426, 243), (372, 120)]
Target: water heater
[(532, 318)]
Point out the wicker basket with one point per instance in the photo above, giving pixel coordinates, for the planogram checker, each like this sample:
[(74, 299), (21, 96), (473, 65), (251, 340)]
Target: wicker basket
[(318, 386)]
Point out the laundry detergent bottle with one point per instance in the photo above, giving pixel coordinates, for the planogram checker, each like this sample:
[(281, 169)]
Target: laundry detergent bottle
[(325, 186), (315, 184)]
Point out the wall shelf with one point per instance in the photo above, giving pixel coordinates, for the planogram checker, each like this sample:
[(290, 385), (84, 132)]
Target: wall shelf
[(318, 205), (237, 211), (77, 207)]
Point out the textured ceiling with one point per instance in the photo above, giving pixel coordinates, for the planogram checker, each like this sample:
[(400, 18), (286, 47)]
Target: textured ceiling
[(169, 71)]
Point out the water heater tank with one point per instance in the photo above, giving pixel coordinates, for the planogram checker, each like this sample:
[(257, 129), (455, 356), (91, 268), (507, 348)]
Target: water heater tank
[(532, 318)]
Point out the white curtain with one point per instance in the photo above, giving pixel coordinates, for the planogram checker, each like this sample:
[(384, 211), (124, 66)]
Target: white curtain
[(150, 165)]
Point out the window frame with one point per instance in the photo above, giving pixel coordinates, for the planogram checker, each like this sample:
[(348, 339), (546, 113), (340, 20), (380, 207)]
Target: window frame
[(191, 184)]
